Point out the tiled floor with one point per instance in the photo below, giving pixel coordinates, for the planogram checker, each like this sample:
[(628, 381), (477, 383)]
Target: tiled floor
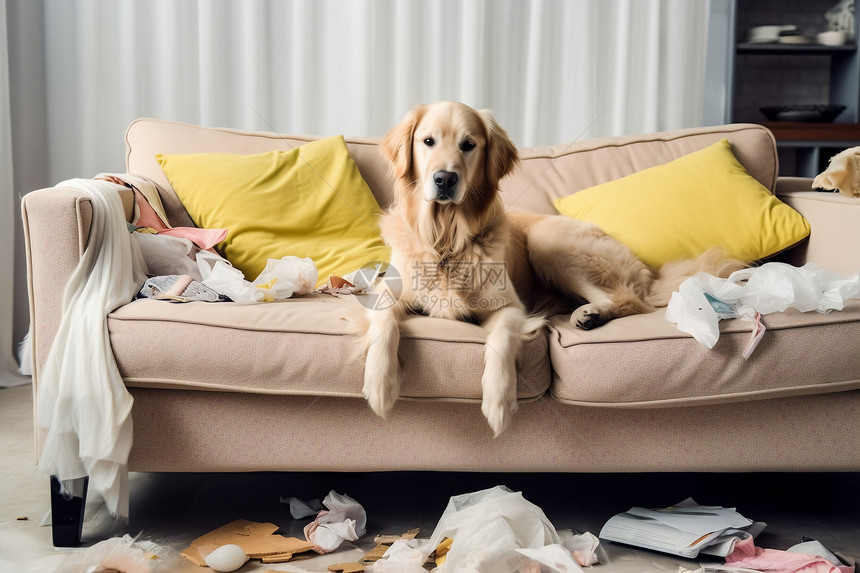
[(173, 509)]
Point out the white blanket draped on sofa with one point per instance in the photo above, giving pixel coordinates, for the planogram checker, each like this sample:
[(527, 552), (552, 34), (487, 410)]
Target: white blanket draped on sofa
[(84, 409)]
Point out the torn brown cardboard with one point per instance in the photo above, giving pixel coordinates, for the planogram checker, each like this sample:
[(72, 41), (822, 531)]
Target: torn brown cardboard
[(351, 567), (383, 542), (257, 540)]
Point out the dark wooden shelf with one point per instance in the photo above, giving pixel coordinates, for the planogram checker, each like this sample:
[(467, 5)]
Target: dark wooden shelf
[(813, 132), (798, 49)]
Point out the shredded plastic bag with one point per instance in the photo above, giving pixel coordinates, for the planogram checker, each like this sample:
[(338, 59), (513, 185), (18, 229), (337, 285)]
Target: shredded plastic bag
[(703, 300), (281, 279)]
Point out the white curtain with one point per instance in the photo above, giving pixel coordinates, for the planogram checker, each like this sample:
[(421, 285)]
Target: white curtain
[(552, 71), (8, 206)]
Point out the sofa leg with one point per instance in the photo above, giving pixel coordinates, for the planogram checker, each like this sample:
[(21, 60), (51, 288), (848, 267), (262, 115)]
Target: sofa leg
[(67, 515)]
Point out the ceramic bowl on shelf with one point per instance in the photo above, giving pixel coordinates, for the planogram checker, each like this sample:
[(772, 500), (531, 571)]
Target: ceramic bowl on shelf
[(768, 34), (832, 38), (812, 113)]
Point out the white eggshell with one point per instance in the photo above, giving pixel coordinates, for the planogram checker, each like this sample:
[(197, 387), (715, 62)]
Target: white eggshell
[(226, 558)]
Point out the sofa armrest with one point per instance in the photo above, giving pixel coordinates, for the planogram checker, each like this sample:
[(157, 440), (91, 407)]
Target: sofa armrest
[(835, 223), (56, 224)]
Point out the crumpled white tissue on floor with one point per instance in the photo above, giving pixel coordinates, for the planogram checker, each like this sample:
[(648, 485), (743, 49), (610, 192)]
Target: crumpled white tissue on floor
[(490, 528), (343, 520), (404, 556), (772, 287)]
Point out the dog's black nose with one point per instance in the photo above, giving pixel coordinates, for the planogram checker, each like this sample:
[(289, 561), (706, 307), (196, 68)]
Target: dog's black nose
[(445, 182)]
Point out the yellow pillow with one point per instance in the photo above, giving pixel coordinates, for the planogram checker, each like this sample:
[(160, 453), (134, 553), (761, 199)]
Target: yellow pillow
[(308, 202), (681, 209)]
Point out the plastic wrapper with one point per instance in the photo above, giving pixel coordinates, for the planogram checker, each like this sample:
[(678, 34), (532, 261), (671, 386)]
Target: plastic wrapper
[(280, 279), (703, 300)]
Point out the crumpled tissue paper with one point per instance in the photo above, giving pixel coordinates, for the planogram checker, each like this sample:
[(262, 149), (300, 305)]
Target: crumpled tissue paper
[(703, 300), (281, 278), (490, 528), (344, 519)]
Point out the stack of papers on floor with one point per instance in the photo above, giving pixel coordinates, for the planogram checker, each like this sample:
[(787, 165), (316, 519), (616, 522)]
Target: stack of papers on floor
[(685, 529)]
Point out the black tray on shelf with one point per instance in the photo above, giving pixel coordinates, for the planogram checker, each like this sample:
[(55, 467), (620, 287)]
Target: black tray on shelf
[(816, 113)]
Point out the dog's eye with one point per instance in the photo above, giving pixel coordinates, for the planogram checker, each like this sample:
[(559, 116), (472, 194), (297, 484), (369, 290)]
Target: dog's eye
[(429, 142), (467, 145)]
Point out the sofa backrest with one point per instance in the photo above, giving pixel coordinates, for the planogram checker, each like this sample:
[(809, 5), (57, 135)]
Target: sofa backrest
[(548, 173), (545, 173)]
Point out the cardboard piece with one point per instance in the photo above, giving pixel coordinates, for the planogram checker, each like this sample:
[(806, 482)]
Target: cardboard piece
[(383, 542), (258, 540), (346, 568)]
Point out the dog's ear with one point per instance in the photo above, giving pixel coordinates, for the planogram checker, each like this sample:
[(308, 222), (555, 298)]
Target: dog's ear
[(396, 146), (502, 155)]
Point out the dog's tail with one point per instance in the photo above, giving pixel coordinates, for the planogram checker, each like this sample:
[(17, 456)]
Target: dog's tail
[(713, 261)]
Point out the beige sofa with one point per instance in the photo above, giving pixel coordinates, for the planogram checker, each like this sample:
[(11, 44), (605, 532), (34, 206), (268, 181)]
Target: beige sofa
[(276, 387)]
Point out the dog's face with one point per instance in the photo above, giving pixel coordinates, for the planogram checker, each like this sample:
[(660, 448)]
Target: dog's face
[(450, 150)]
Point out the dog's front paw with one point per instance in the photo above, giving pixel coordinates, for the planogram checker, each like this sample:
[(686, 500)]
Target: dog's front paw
[(586, 317), (381, 390), (499, 405)]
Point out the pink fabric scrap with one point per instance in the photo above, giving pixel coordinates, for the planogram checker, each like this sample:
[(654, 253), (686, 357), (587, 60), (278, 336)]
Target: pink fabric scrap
[(203, 238), (747, 555)]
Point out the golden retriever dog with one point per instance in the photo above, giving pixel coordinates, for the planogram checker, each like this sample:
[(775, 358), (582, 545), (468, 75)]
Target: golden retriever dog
[(447, 222)]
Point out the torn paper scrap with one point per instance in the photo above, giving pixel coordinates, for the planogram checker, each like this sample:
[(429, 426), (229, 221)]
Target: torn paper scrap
[(383, 542), (349, 567), (257, 540), (404, 556), (684, 529)]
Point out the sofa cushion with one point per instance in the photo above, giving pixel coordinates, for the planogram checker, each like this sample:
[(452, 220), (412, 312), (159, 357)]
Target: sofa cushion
[(683, 208), (645, 361), (307, 202), (549, 173), (146, 138), (300, 346)]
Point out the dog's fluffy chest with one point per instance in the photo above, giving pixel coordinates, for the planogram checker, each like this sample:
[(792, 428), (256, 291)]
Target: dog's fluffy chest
[(463, 287), (464, 283)]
